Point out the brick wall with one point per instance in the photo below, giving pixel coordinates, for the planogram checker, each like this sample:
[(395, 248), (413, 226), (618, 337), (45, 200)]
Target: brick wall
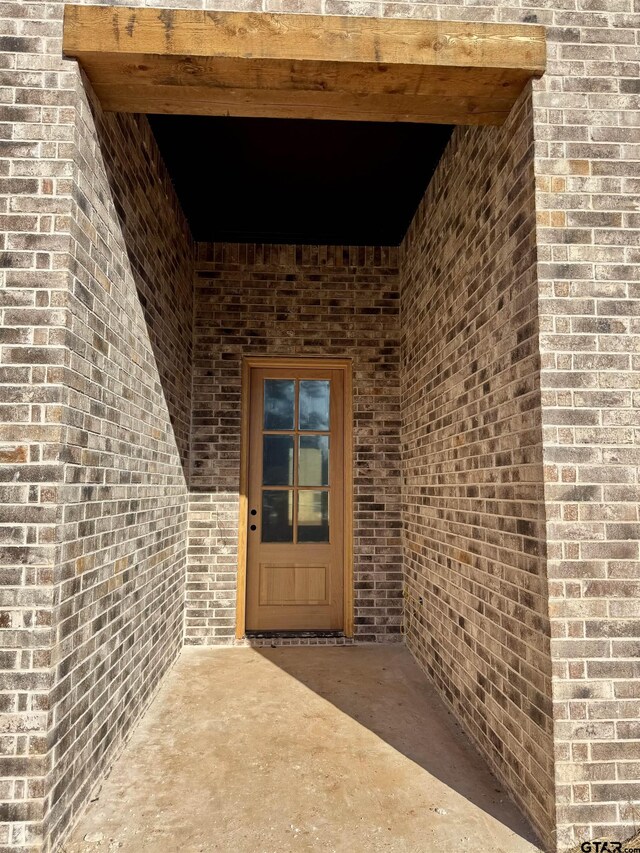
[(119, 582), (35, 204), (287, 300), (473, 503), (587, 170), (97, 279), (587, 195)]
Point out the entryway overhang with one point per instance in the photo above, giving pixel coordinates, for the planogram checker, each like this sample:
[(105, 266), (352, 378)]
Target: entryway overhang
[(302, 66)]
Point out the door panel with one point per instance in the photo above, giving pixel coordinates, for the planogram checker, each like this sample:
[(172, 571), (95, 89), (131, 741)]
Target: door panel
[(296, 499), (304, 584)]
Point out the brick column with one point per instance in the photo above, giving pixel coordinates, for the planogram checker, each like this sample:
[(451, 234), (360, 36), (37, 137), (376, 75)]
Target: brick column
[(35, 201)]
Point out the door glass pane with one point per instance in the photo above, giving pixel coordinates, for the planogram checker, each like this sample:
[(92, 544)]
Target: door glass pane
[(278, 403), (313, 460), (314, 404), (277, 460), (277, 516), (313, 516)]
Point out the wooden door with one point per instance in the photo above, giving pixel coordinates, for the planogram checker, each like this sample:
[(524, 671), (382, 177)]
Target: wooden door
[(296, 499)]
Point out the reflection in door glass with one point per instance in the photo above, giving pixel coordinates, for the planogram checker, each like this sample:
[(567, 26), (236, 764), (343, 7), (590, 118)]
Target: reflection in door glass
[(279, 403), (313, 516), (313, 460), (314, 404), (277, 460), (277, 516)]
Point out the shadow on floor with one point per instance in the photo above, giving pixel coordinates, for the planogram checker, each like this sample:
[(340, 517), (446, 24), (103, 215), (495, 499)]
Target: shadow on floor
[(391, 697), (299, 750)]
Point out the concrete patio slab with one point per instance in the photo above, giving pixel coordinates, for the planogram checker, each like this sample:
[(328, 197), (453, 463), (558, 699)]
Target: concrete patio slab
[(299, 749)]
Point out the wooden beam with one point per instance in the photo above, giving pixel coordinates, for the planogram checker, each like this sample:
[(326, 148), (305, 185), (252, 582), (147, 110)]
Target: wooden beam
[(327, 105), (306, 66), (168, 32)]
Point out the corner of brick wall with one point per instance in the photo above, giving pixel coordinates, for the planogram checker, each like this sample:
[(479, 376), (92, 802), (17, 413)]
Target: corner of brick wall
[(35, 179), (97, 304), (587, 142), (474, 513)]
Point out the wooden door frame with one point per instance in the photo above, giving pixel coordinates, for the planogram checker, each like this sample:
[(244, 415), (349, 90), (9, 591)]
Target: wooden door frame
[(284, 362)]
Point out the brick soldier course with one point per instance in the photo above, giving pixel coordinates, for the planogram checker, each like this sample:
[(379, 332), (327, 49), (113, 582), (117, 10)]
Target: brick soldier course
[(496, 362)]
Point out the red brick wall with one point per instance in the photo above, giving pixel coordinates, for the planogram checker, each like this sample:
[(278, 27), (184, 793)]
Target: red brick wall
[(473, 502)]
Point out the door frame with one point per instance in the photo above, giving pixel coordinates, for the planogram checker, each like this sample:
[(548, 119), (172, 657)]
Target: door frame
[(284, 362)]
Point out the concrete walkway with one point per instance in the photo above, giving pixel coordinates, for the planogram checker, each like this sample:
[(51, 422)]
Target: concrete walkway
[(299, 749)]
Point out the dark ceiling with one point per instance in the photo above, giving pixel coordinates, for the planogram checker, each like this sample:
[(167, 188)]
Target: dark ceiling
[(298, 181)]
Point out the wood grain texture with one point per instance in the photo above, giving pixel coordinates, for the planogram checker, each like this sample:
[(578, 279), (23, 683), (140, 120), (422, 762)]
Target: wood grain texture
[(305, 105), (338, 612), (296, 585), (243, 505), (302, 66)]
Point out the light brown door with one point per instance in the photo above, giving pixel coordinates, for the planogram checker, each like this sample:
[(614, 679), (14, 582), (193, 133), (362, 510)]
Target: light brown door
[(295, 547)]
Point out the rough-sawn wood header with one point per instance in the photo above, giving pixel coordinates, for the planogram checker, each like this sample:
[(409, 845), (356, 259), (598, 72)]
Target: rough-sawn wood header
[(302, 66)]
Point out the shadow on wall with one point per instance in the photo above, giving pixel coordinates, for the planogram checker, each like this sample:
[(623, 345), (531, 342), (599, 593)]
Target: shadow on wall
[(160, 255), (119, 579), (398, 705)]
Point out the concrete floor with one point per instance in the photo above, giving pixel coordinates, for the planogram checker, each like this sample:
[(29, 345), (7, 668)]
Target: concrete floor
[(299, 749)]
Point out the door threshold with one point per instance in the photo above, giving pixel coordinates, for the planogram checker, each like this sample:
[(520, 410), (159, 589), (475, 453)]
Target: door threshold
[(290, 635)]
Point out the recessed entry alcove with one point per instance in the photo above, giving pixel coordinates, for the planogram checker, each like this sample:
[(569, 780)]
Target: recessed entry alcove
[(325, 232)]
